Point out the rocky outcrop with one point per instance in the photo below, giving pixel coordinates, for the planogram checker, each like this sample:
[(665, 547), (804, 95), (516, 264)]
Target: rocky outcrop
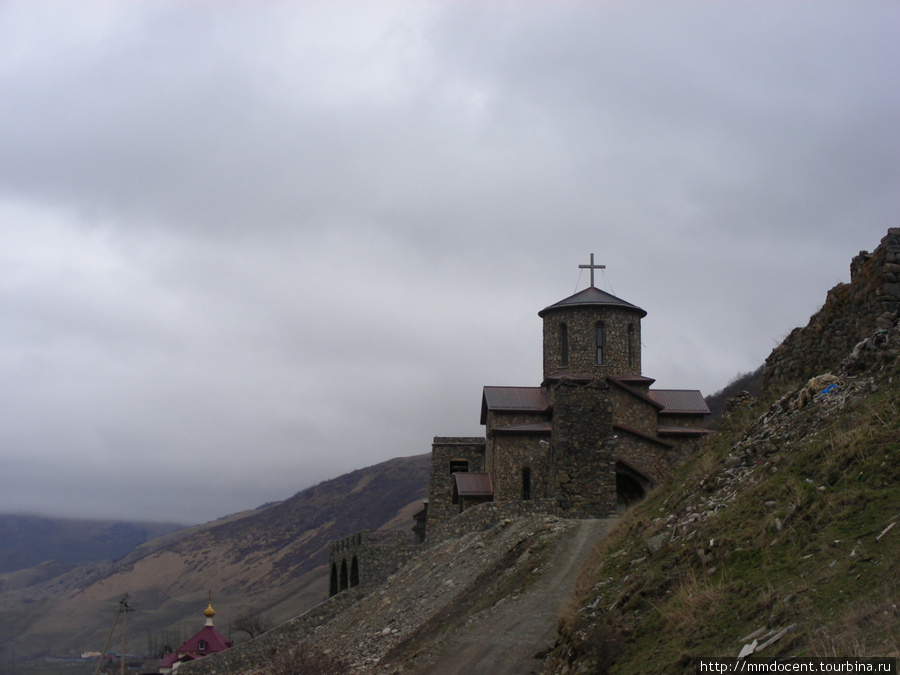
[(851, 313)]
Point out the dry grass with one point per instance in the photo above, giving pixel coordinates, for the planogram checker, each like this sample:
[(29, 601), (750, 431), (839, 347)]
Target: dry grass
[(863, 630), (307, 660), (694, 600)]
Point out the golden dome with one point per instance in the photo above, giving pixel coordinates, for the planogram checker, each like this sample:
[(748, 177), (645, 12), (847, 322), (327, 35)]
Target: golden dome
[(209, 611)]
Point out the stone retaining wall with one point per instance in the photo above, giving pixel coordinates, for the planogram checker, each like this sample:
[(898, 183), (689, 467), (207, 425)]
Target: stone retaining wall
[(484, 516)]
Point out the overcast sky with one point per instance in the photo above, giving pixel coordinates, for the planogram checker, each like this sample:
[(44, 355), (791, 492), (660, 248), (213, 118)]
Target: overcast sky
[(248, 246)]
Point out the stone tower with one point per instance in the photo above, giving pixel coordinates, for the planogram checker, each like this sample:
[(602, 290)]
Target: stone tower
[(590, 336)]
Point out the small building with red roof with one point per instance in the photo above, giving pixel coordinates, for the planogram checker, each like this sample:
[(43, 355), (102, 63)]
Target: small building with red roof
[(204, 642)]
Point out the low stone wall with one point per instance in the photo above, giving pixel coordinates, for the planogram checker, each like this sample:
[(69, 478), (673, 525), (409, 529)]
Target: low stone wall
[(851, 312), (366, 560), (485, 516)]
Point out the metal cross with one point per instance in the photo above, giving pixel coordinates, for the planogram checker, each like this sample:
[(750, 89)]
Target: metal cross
[(592, 267)]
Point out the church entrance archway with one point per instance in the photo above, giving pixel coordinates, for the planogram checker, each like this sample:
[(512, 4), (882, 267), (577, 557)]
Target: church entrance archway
[(631, 487)]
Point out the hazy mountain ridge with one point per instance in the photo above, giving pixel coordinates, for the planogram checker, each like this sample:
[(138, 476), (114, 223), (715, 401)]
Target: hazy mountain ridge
[(28, 540), (270, 560)]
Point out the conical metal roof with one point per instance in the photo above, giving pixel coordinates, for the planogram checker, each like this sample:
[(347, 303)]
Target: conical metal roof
[(592, 296)]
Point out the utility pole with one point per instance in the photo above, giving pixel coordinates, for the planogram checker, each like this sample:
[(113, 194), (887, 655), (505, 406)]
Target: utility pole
[(123, 605)]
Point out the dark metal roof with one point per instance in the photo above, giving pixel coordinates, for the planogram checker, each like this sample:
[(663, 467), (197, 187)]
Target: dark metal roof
[(684, 401), (533, 428), (592, 296), (473, 484), (646, 437), (635, 379), (513, 399), (682, 431)]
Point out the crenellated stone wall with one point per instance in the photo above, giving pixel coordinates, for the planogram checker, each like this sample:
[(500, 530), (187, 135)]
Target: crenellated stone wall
[(365, 560), (851, 312)]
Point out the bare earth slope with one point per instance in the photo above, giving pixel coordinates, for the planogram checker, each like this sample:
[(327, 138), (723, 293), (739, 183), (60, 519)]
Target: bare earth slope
[(506, 638)]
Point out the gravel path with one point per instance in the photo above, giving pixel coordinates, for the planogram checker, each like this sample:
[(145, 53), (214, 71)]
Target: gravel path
[(504, 641)]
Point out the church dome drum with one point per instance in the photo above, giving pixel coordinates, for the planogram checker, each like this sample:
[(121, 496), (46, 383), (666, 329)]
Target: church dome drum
[(591, 335)]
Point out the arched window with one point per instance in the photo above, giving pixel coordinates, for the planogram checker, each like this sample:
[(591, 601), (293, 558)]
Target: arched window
[(344, 581), (333, 586), (599, 335), (526, 483), (354, 572), (563, 345), (631, 345)]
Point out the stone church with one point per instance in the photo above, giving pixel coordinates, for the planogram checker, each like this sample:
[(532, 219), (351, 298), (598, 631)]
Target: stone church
[(593, 437)]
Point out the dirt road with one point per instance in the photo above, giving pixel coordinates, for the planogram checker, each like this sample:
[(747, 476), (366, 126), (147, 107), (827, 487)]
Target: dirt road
[(505, 640)]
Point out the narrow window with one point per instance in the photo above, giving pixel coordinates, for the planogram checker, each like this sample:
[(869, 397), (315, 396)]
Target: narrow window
[(526, 483), (600, 344), (563, 345), (344, 580), (631, 345)]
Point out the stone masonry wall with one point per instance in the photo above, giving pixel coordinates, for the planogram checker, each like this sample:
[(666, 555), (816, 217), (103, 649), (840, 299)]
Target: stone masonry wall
[(501, 419), (440, 488), (582, 458), (633, 411), (581, 328), (511, 454), (851, 312), (646, 457), (485, 516)]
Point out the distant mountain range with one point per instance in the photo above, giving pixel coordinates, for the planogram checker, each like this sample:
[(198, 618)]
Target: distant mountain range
[(27, 540), (270, 561)]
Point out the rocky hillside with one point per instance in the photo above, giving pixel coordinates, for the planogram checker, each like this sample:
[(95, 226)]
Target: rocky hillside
[(271, 562)]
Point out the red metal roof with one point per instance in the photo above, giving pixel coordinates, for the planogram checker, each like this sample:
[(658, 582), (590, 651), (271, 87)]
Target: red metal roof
[(214, 642), (473, 484), (684, 401)]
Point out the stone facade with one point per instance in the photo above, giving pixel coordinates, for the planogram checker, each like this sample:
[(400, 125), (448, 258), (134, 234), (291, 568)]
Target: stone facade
[(851, 312)]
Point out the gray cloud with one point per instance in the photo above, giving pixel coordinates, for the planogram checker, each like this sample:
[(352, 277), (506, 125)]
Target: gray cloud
[(247, 247)]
